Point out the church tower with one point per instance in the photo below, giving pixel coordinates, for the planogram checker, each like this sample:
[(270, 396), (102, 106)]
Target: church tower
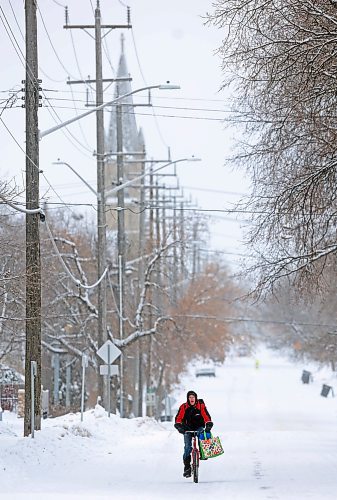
[(133, 147)]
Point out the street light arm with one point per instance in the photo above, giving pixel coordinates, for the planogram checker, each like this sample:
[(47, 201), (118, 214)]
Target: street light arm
[(59, 162), (102, 106), (147, 172)]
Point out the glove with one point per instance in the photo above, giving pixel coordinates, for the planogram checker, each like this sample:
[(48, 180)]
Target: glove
[(208, 426), (180, 428)]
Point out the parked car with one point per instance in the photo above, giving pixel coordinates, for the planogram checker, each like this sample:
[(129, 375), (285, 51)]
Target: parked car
[(243, 351), (205, 372)]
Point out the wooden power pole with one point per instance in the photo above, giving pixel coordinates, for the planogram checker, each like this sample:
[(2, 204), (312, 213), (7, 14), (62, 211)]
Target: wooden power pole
[(101, 208), (33, 262)]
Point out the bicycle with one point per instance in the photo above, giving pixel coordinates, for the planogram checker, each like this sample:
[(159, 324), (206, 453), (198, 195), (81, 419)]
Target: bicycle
[(195, 456)]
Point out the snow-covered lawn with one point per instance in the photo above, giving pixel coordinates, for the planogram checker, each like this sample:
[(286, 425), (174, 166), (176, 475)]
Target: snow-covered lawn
[(279, 436)]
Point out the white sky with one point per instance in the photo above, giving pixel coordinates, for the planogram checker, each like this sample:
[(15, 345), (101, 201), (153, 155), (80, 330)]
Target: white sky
[(172, 44), (279, 440)]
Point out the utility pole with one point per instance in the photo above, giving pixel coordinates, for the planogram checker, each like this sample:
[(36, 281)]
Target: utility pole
[(101, 208), (33, 261), (175, 257), (141, 252), (121, 242), (164, 235), (149, 408), (194, 247), (158, 244), (182, 241), (157, 220), (101, 214)]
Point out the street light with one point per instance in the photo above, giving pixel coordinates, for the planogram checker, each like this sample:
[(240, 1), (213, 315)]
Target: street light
[(166, 86), (59, 162), (147, 172)]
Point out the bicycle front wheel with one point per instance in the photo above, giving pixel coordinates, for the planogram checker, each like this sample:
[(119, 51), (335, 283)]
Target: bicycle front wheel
[(195, 466)]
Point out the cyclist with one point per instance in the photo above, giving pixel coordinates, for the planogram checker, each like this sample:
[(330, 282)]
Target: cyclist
[(191, 416)]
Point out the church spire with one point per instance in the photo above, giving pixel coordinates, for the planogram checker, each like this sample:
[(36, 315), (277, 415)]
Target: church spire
[(130, 129)]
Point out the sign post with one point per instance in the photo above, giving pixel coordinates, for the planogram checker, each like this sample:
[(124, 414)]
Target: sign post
[(84, 366), (109, 367), (33, 373), (150, 401), (108, 352)]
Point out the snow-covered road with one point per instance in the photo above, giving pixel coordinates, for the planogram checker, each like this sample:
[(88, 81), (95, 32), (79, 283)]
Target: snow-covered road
[(279, 436)]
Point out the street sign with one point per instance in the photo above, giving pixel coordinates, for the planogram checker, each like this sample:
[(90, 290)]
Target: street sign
[(104, 354), (150, 398), (103, 370)]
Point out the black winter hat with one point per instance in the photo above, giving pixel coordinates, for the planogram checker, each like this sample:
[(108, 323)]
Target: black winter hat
[(191, 393)]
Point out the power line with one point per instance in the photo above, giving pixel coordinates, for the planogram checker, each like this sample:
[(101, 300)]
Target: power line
[(191, 209), (122, 3), (77, 61), (23, 62), (79, 122), (58, 118), (32, 162), (65, 267), (52, 239), (183, 108), (58, 121), (141, 72), (51, 43), (59, 4), (157, 97), (23, 37), (107, 54), (92, 7), (136, 113), (11, 38), (69, 185), (252, 320), (213, 190)]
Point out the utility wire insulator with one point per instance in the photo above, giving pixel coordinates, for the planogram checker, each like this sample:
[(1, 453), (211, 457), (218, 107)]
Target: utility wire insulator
[(128, 15), (66, 16)]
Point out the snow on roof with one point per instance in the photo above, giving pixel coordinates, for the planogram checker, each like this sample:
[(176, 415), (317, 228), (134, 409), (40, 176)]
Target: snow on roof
[(9, 375)]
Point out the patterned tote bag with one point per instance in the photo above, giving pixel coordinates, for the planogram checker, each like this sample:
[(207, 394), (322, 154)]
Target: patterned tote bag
[(210, 447)]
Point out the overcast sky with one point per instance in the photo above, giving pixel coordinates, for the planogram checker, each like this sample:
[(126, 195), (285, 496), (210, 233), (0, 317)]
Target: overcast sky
[(169, 41)]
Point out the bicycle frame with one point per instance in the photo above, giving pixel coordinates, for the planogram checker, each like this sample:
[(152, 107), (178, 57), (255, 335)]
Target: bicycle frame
[(195, 456)]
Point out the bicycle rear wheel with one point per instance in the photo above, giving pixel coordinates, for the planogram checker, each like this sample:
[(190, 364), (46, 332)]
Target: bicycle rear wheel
[(195, 466)]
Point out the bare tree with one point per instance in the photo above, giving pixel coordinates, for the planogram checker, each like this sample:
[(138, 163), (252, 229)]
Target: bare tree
[(12, 276), (280, 58)]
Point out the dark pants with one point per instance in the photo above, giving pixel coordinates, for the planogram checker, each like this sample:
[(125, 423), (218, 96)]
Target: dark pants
[(188, 442)]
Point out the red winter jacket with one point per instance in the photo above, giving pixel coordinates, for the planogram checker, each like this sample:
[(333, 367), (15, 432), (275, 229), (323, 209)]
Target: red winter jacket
[(193, 417)]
